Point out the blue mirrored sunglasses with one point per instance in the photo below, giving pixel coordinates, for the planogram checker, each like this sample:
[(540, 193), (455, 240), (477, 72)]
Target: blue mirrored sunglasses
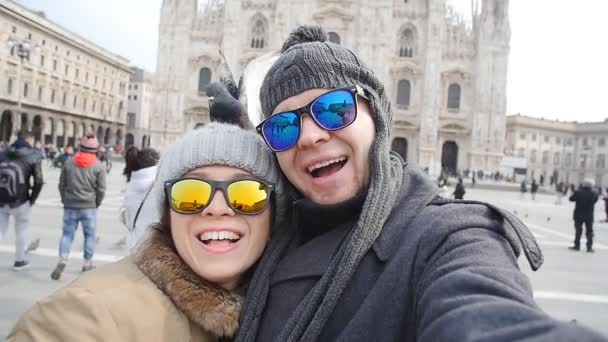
[(332, 111)]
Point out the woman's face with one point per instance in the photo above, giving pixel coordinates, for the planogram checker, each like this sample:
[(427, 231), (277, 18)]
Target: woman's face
[(218, 243)]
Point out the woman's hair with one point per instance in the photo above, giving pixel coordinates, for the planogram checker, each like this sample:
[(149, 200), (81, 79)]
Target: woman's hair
[(136, 159)]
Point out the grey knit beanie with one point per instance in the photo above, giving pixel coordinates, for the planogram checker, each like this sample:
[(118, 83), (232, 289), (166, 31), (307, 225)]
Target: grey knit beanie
[(220, 144), (309, 61)]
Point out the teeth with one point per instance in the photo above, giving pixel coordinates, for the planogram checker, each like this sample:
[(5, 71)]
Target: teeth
[(219, 235), (324, 164)]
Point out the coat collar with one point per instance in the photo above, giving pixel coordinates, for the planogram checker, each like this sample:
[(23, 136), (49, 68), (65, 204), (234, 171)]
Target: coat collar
[(417, 191), (215, 309)]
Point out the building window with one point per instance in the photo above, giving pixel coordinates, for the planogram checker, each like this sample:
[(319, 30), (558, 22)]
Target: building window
[(521, 153), (546, 138), (583, 161), (86, 76), (130, 120), (40, 93), (65, 95), (403, 93), (135, 86), (568, 160), (522, 136), (29, 36), (454, 96), (545, 157), (406, 43), (54, 65), (204, 78), (533, 136), (556, 158), (533, 156), (25, 89), (94, 105), (558, 140), (135, 97), (258, 34), (103, 107), (334, 37), (129, 97), (601, 161), (14, 29), (75, 101), (84, 104), (9, 86), (67, 69), (53, 96), (76, 73), (601, 142), (42, 60)]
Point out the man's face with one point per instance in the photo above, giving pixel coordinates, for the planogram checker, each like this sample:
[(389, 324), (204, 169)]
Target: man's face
[(328, 167), (29, 140), (69, 150)]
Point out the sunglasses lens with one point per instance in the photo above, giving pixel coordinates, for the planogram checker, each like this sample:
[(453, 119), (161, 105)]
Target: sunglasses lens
[(190, 195), (281, 131), (335, 110), (248, 196)]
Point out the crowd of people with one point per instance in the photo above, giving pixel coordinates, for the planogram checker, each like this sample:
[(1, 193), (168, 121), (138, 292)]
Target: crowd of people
[(315, 232)]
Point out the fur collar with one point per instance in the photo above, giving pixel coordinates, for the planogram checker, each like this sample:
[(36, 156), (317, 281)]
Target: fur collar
[(215, 309)]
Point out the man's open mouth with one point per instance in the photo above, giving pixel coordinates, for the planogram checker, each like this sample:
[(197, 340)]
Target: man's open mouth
[(327, 168)]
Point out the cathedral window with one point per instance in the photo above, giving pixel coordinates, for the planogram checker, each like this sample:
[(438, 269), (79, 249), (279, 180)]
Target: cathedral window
[(556, 158), (454, 96), (333, 37), (545, 157), (406, 43), (403, 94), (258, 34), (399, 145), (204, 78)]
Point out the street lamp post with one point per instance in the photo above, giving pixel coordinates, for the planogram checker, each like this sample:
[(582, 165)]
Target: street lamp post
[(23, 49)]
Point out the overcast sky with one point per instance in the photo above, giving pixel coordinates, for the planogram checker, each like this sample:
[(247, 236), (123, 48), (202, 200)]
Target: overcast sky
[(558, 65)]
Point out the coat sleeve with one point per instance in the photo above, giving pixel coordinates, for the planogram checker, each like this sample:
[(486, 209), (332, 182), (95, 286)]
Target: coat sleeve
[(38, 181), (62, 183), (100, 190), (472, 290), (72, 314)]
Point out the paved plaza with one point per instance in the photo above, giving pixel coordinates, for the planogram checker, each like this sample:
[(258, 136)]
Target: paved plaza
[(570, 285)]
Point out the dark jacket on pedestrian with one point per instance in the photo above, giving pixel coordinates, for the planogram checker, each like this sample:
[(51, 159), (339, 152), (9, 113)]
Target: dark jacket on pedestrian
[(82, 183), (439, 271), (459, 191), (585, 200), (24, 155)]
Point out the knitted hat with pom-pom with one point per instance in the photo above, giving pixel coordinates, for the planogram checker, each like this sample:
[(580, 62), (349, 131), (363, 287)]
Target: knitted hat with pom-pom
[(309, 61)]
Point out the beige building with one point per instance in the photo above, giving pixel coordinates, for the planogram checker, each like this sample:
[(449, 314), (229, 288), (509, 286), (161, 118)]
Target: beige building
[(140, 99), (56, 83), (444, 71), (563, 151)]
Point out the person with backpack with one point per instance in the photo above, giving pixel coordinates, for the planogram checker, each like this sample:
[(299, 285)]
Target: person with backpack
[(82, 185), (19, 163)]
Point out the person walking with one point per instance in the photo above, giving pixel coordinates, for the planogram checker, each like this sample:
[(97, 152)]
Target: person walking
[(523, 188), (140, 171), (20, 184), (459, 190), (584, 199), (559, 193), (82, 185), (533, 189), (370, 252)]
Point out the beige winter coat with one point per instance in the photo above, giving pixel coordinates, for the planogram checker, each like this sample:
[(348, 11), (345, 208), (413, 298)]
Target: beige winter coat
[(151, 296)]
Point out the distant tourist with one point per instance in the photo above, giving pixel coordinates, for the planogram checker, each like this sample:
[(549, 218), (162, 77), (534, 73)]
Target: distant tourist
[(533, 189), (459, 190), (20, 185), (585, 200), (523, 188), (82, 186)]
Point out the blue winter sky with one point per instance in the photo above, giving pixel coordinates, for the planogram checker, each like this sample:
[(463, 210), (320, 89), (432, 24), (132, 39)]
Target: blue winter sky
[(558, 65)]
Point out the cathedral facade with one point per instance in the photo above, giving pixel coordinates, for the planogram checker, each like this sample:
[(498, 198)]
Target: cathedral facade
[(444, 71)]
